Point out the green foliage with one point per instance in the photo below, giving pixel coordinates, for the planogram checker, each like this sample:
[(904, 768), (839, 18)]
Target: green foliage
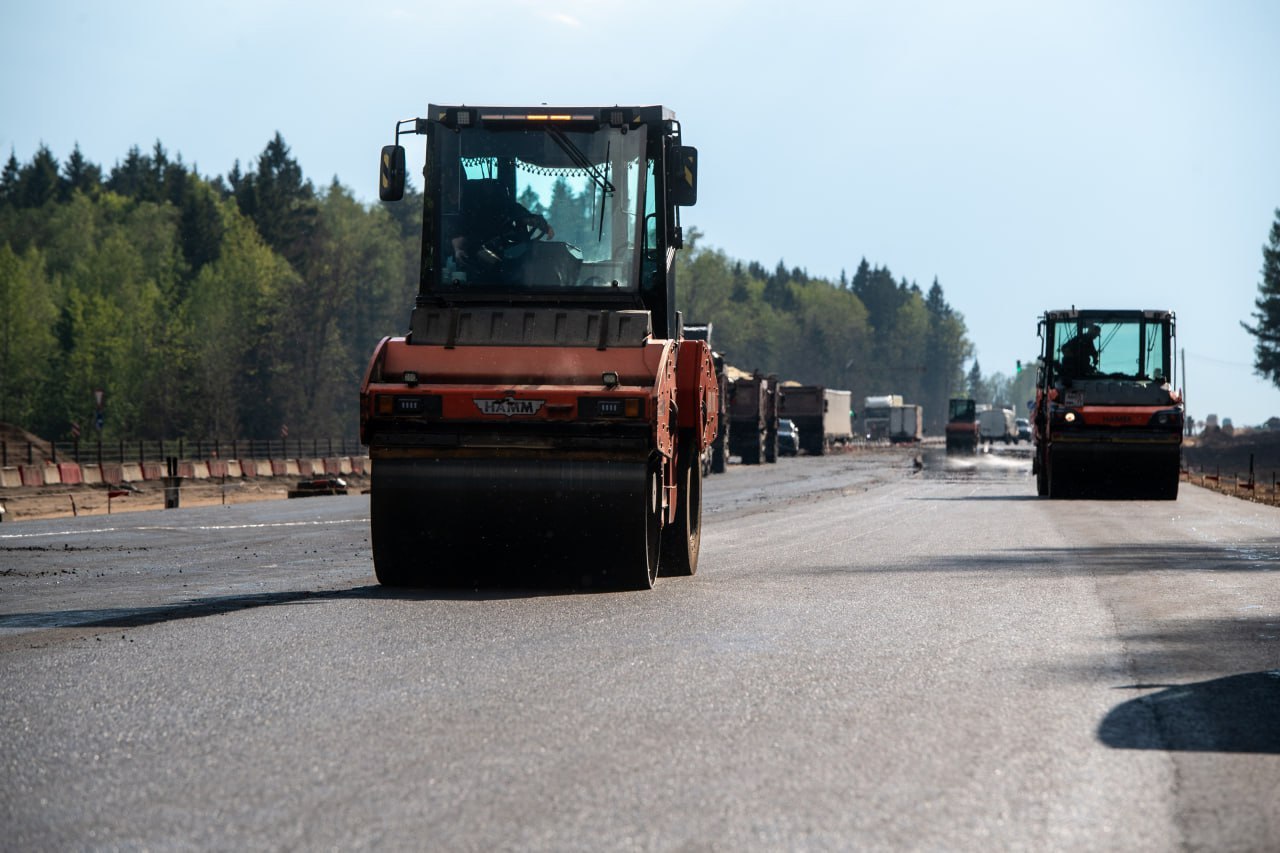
[(199, 308), (1266, 329), (816, 332), (26, 332), (230, 307)]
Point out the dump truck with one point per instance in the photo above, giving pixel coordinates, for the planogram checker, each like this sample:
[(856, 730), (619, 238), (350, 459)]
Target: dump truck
[(753, 416), (1106, 419), (824, 416), (997, 424), (716, 456), (876, 412), (906, 423), (543, 413), (962, 425)]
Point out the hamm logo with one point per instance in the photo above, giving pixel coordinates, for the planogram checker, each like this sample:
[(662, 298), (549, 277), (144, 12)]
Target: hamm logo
[(509, 406)]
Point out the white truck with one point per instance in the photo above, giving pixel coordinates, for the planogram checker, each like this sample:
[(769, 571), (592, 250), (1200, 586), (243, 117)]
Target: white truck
[(906, 423), (875, 411), (997, 424)]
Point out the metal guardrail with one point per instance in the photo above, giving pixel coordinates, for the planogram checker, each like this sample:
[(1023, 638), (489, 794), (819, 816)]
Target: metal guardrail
[(88, 452)]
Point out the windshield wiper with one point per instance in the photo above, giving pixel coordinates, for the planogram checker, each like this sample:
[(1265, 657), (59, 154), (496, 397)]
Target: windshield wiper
[(581, 160)]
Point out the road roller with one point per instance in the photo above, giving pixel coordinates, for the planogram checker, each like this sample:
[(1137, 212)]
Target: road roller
[(543, 417), (1108, 420)]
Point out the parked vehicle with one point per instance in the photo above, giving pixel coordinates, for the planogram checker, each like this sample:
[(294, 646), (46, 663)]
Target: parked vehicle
[(753, 416), (823, 415), (876, 413), (788, 437), (1024, 429), (906, 424), (997, 424)]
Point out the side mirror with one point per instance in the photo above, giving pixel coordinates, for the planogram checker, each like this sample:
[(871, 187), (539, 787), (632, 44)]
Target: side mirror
[(682, 176), (391, 173)]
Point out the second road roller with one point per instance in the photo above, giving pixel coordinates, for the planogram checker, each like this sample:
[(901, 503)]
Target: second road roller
[(544, 414)]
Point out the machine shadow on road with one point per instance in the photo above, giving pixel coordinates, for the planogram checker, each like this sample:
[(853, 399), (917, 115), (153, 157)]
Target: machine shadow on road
[(1232, 714), (999, 498), (195, 608)]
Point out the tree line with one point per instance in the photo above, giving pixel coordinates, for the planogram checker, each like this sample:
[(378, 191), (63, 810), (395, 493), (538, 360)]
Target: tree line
[(871, 334), (245, 305)]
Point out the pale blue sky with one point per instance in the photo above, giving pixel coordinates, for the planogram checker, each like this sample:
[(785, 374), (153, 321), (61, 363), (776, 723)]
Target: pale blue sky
[(1028, 155)]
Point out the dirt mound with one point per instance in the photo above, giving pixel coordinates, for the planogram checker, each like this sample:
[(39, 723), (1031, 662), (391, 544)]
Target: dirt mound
[(17, 440)]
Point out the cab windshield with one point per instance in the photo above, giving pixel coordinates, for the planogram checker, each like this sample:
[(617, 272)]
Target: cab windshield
[(1126, 349), (542, 209)]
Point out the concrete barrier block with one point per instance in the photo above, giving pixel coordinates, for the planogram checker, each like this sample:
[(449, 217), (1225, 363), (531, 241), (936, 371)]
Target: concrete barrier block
[(291, 468), (52, 476), (92, 474), (233, 469), (304, 467), (266, 467), (131, 472), (217, 468), (200, 470), (112, 472), (32, 475), (70, 474), (10, 477), (148, 470)]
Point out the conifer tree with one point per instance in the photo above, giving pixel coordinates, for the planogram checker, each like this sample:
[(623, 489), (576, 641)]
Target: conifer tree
[(1267, 329)]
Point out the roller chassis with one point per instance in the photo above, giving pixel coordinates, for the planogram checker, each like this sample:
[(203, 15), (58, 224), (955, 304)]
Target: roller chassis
[(544, 419), (1113, 433)]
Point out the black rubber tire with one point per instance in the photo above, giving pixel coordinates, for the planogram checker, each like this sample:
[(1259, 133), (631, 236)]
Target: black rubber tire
[(771, 447), (718, 457), (720, 447), (682, 539), (1042, 478)]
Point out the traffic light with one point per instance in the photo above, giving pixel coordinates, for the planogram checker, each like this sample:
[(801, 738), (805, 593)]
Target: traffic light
[(1017, 368)]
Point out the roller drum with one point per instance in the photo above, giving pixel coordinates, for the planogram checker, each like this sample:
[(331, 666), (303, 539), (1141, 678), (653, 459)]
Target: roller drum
[(462, 520)]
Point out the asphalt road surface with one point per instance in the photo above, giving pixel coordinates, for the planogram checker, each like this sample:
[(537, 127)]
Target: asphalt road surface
[(870, 657)]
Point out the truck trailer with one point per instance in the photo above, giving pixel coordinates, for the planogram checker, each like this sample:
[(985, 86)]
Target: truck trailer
[(544, 412), (753, 416), (876, 414), (823, 416), (906, 424)]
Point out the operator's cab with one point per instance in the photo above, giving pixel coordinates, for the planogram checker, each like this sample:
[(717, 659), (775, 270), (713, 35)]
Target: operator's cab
[(1109, 357), (568, 208)]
